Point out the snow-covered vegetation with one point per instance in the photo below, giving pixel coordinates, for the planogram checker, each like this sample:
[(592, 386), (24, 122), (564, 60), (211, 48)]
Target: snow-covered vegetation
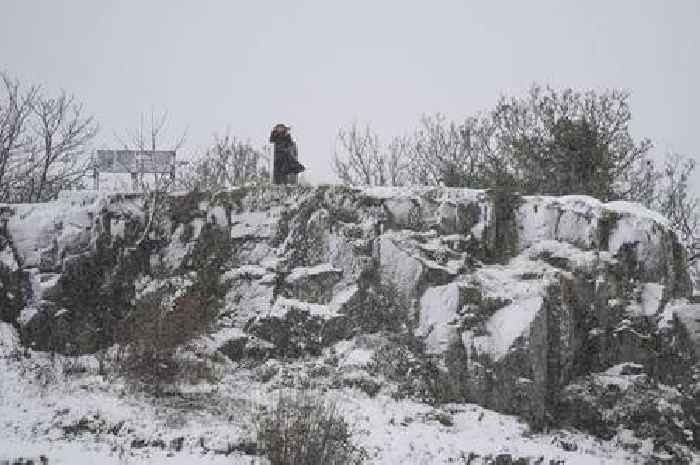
[(425, 325)]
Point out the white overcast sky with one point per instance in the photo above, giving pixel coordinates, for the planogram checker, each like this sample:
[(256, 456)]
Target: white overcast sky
[(317, 65)]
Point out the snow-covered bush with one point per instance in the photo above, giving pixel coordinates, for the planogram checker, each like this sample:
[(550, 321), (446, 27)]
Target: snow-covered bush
[(622, 397), (415, 374), (675, 200), (304, 430), (44, 140), (378, 307), (227, 163), (160, 325)]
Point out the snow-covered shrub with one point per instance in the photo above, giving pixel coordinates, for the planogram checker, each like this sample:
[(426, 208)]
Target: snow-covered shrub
[(158, 327), (416, 375), (378, 306), (171, 312), (603, 403), (367, 384), (305, 430), (229, 162), (676, 201), (298, 330)]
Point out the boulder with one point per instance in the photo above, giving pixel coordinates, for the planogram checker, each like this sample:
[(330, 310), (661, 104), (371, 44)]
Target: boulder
[(9, 339), (12, 288), (688, 321), (295, 327), (624, 397), (312, 284)]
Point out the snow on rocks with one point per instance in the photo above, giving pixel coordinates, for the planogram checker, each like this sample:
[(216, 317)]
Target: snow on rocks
[(514, 298), (41, 232), (590, 224), (400, 268), (567, 256), (230, 341), (12, 286), (439, 307), (404, 212), (633, 209), (650, 300), (505, 327), (252, 225), (283, 306), (302, 272), (250, 293), (9, 339), (217, 215), (313, 284), (295, 327), (357, 352), (26, 315), (7, 259), (178, 248), (688, 318), (625, 397)]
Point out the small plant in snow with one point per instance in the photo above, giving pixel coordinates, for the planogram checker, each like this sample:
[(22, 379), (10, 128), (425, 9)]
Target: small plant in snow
[(301, 430), (161, 323)]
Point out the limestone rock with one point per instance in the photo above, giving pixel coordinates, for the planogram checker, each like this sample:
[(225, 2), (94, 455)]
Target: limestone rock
[(510, 300), (624, 397), (688, 318), (313, 284), (9, 339), (295, 327)]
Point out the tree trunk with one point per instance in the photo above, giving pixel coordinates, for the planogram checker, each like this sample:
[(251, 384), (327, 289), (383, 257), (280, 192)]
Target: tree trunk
[(44, 172), (4, 155)]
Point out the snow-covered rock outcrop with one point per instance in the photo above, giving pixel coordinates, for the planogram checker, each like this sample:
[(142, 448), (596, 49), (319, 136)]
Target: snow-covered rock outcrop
[(512, 298)]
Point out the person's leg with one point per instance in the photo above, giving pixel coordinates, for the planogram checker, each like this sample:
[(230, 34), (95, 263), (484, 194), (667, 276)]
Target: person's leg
[(277, 176)]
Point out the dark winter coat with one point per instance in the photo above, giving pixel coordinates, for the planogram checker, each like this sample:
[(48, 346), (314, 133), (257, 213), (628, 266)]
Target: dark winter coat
[(285, 157)]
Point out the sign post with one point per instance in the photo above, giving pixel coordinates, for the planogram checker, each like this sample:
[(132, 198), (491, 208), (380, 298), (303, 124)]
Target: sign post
[(134, 162)]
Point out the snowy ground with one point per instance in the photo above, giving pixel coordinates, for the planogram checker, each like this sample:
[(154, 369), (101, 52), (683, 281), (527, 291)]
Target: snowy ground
[(83, 418)]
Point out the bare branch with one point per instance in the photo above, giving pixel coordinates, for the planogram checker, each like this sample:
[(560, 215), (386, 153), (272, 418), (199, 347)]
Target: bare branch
[(359, 158), (15, 108), (64, 134)]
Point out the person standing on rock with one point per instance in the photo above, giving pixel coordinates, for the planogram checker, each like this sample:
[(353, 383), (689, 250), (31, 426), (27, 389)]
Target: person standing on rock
[(286, 166)]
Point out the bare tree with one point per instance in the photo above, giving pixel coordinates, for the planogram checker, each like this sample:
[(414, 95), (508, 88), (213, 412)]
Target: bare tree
[(228, 163), (439, 152), (679, 205), (549, 141), (150, 134), (359, 158), (15, 109), (148, 138), (396, 161), (63, 134), (356, 156), (443, 152)]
